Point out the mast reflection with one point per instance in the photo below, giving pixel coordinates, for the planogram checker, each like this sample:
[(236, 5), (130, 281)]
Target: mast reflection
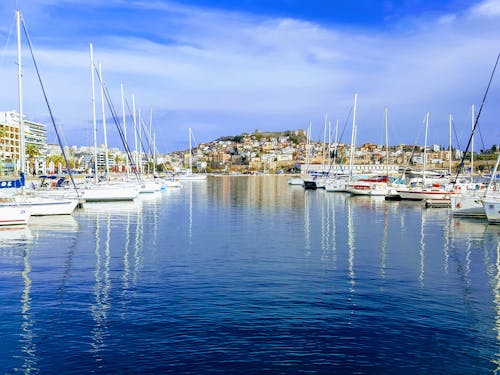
[(307, 223), (101, 289), (496, 302), (28, 347), (383, 251), (422, 248), (350, 230)]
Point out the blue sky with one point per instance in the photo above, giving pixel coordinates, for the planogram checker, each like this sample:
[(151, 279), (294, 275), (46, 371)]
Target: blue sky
[(226, 67)]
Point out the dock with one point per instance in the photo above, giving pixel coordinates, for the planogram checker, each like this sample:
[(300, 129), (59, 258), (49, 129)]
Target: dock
[(437, 203)]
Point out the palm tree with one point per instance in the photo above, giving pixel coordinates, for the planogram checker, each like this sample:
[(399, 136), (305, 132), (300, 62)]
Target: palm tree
[(32, 151), (2, 134)]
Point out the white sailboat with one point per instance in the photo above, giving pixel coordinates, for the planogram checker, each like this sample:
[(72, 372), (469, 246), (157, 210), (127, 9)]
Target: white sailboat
[(104, 191), (36, 205), (491, 200), (337, 182), (189, 175), (376, 185), (425, 190), (14, 215), (467, 200)]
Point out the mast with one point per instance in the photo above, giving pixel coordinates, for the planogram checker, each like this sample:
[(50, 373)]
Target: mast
[(154, 154), (386, 145), (22, 156), (425, 146), (150, 137), (336, 142), (308, 138), (124, 127), (139, 128), (106, 163), (473, 115), (324, 146), (329, 145), (96, 177), (190, 153), (135, 135), (451, 122), (353, 136)]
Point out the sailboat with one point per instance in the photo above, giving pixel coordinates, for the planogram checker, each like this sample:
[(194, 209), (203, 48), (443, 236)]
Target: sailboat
[(189, 175), (491, 200), (467, 200), (339, 183), (36, 205), (426, 190), (374, 185), (14, 215), (100, 191)]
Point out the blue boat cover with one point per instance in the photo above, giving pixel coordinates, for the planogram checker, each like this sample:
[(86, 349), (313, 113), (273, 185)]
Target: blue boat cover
[(12, 183)]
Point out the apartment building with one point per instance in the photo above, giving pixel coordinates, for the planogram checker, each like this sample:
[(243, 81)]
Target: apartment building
[(34, 134)]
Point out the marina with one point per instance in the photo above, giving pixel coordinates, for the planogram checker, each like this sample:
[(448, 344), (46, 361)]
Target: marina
[(250, 275)]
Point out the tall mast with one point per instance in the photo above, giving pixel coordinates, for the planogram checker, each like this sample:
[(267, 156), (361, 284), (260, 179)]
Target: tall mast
[(353, 136), (336, 142), (150, 137), (425, 146), (106, 162), (386, 145), (124, 127), (473, 115), (152, 141), (190, 153), (308, 139), (154, 153), (324, 146), (451, 122), (135, 135), (139, 130), (22, 156), (96, 177)]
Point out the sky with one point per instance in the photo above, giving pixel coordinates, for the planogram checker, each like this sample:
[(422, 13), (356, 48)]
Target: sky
[(228, 67)]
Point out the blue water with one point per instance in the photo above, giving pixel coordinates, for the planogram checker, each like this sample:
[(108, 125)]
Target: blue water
[(248, 275)]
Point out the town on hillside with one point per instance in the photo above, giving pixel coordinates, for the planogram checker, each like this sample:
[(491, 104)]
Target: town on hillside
[(249, 153)]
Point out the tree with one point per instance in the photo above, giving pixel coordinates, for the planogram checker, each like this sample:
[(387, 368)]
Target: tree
[(32, 151), (56, 159), (2, 134)]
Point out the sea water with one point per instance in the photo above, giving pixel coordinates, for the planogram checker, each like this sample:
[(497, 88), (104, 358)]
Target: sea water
[(248, 275)]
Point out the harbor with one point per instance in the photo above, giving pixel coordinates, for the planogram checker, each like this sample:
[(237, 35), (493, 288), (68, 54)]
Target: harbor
[(286, 187)]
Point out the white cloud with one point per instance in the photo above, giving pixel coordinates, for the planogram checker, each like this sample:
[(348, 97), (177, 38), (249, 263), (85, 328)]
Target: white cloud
[(487, 8)]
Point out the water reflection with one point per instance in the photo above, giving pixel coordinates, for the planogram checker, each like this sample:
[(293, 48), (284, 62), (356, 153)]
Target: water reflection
[(328, 230), (307, 222), (496, 301), (59, 224), (12, 236), (350, 234), (422, 248), (270, 192), (101, 292), (28, 345), (383, 250)]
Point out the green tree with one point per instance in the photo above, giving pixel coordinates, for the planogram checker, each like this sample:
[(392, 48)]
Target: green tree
[(2, 134), (32, 151)]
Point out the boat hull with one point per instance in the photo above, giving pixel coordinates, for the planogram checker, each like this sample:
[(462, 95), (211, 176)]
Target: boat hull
[(492, 210), (109, 194), (45, 207), (14, 215), (467, 206), (420, 195)]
